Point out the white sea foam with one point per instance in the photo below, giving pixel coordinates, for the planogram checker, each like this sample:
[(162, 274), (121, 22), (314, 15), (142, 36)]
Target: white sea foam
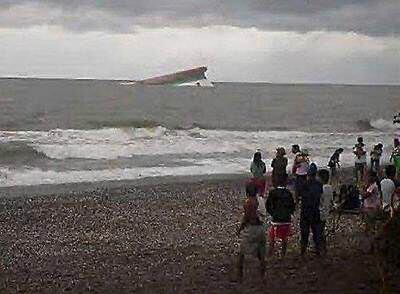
[(383, 125), (201, 167), (213, 151), (114, 143), (116, 135)]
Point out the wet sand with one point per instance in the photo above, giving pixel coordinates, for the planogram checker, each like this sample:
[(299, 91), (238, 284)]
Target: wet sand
[(177, 236)]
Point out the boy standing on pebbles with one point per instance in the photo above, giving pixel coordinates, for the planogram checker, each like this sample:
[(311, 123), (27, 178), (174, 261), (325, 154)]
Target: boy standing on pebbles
[(253, 239), (280, 205)]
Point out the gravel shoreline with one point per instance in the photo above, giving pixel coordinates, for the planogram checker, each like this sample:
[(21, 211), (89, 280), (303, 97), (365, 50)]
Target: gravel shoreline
[(115, 188), (159, 238)]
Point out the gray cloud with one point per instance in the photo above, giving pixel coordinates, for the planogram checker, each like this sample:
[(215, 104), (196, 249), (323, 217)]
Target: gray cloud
[(369, 17), (232, 54)]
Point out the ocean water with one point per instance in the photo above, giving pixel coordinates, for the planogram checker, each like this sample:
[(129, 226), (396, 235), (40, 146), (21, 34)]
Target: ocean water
[(62, 131)]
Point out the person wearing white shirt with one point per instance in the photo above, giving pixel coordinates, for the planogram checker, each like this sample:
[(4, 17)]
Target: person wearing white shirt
[(325, 204), (388, 187), (300, 167)]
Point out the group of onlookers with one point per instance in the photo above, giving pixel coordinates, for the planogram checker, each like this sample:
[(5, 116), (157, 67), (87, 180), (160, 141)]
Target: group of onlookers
[(314, 191)]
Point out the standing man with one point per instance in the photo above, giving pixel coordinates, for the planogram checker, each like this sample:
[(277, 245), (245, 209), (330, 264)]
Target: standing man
[(300, 168), (360, 160), (375, 156), (280, 205), (395, 157), (310, 211)]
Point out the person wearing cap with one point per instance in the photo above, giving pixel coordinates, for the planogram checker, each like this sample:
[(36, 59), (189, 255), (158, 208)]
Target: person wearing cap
[(310, 210), (279, 165), (300, 167)]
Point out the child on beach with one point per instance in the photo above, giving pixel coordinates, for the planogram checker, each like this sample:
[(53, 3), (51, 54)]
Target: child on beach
[(280, 205), (326, 204), (279, 164), (299, 169), (310, 213), (253, 239), (395, 157), (375, 155), (334, 165), (360, 160), (258, 170)]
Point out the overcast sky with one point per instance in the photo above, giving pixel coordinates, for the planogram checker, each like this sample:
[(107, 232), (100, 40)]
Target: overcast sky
[(336, 41)]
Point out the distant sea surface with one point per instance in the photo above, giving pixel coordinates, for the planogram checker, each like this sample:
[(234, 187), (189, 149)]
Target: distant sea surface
[(63, 131)]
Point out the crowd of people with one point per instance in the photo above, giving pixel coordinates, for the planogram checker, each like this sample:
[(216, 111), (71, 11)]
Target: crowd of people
[(270, 202)]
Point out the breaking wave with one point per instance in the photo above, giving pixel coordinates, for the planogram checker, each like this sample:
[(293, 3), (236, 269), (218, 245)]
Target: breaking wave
[(201, 167), (19, 153), (379, 124), (212, 151), (382, 125), (113, 143)]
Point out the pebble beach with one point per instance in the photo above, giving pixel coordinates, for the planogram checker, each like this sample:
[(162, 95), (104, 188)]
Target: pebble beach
[(174, 237)]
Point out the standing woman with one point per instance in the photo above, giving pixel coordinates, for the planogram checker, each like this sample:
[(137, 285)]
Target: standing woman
[(258, 170), (334, 165), (279, 165)]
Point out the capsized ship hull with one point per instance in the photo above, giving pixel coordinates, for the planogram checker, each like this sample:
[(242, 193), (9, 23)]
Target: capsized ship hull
[(177, 78)]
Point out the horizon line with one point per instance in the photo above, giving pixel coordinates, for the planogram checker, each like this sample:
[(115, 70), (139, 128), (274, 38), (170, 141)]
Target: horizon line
[(221, 81)]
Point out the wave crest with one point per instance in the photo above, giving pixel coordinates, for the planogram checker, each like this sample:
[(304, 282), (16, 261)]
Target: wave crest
[(19, 153), (114, 143), (382, 124)]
